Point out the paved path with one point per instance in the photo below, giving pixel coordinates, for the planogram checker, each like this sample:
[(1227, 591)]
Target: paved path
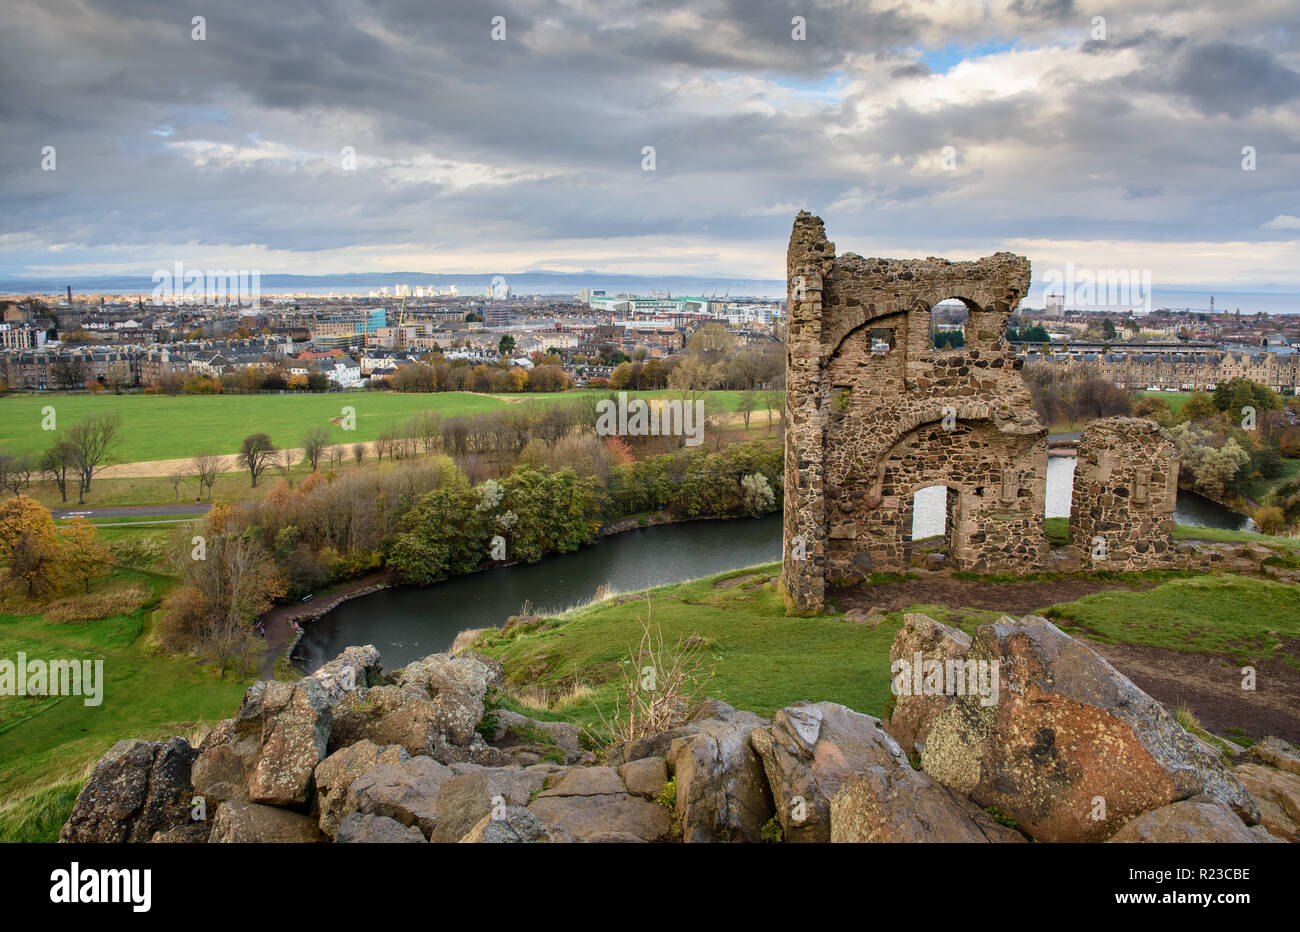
[(133, 511)]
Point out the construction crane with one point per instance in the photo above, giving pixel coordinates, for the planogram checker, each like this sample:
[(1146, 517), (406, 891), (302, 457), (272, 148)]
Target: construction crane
[(401, 314)]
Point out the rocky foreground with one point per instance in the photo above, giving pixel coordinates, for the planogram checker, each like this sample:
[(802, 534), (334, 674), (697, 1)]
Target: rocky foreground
[(1070, 751)]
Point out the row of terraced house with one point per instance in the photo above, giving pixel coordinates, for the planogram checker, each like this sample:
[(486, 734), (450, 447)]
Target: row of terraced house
[(1174, 371)]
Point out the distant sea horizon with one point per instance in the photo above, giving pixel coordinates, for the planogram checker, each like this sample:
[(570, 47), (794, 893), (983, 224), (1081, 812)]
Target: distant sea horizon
[(1268, 298)]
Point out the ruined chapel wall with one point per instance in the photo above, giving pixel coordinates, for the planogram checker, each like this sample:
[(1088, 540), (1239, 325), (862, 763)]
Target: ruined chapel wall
[(1125, 491)]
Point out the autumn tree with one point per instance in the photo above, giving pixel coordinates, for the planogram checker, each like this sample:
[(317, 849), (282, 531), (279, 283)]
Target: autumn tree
[(255, 455), (29, 546), (314, 444), (92, 441), (85, 558), (59, 463), (207, 466)]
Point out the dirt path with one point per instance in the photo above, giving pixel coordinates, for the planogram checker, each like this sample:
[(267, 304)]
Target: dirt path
[(161, 469), (1014, 598), (280, 622), (1210, 686)]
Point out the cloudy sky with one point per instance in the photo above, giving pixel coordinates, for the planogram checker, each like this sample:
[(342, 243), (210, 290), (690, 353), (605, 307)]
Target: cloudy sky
[(482, 155)]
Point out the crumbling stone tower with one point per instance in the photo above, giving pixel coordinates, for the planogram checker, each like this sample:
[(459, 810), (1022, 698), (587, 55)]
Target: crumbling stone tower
[(875, 413), (1125, 490)]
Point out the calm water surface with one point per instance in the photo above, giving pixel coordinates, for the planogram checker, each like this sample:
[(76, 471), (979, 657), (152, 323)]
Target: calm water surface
[(408, 623)]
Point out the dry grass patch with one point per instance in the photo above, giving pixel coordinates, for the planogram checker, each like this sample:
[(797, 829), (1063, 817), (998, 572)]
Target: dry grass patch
[(105, 603)]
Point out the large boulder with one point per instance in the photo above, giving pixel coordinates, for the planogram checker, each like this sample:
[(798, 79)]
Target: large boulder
[(439, 673), (240, 822), (1070, 748), (1278, 794), (357, 828), (592, 804), (645, 777), (296, 720), (405, 791), (921, 641), (808, 751), (334, 775), (721, 792), (894, 803), (355, 668), (386, 715), (225, 757), (1199, 819), (466, 798), (137, 789)]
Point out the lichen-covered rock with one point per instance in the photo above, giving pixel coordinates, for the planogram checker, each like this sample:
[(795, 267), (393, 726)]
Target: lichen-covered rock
[(225, 757), (516, 825), (405, 791), (1199, 819), (296, 719), (920, 640), (893, 803), (1277, 792), (465, 799), (137, 789), (439, 673), (808, 751), (721, 791), (239, 822), (334, 775), (353, 669), (357, 828), (385, 715), (1071, 749)]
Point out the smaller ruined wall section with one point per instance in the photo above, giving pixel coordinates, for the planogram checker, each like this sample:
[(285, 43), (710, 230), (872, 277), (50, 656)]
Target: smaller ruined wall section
[(1125, 491)]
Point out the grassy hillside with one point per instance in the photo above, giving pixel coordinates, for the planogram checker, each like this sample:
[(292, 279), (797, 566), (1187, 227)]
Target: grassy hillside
[(48, 744), (763, 660)]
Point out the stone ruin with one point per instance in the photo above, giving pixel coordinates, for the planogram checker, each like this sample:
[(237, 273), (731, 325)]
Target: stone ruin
[(876, 413)]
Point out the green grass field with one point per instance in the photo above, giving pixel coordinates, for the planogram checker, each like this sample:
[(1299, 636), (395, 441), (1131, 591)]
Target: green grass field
[(156, 427), (1176, 399), (48, 744)]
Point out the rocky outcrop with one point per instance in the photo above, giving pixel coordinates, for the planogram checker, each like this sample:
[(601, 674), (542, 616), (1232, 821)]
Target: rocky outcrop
[(336, 773), (592, 804), (377, 830), (895, 803), (1278, 794), (356, 667), (241, 822), (808, 751), (296, 719), (1199, 819), (921, 640), (406, 791), (721, 792), (137, 788), (1070, 749), (1061, 747), (466, 798)]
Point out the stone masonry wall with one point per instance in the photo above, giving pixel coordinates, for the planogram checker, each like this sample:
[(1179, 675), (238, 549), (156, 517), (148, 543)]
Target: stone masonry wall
[(1125, 490), (875, 413)]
